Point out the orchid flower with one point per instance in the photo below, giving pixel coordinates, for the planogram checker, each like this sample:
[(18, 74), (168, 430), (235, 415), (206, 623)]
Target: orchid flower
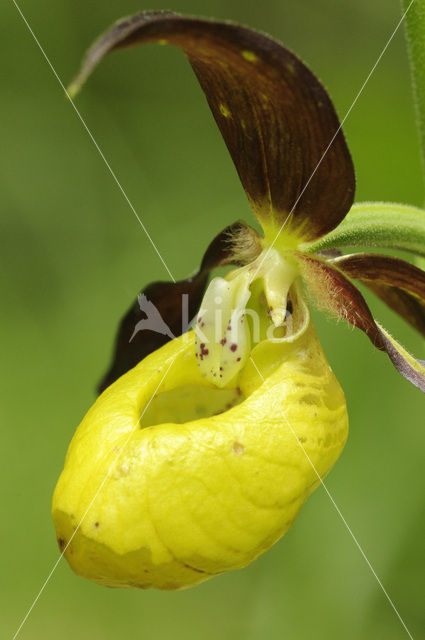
[(206, 445)]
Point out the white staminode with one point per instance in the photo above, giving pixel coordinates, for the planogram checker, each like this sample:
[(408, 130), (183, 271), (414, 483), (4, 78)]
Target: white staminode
[(223, 341), (222, 335)]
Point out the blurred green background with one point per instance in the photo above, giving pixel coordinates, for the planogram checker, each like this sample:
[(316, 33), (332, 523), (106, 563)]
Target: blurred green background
[(73, 256)]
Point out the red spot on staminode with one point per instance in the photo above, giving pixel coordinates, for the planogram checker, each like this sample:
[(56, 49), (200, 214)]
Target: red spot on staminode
[(223, 341), (233, 347), (204, 352), (238, 359)]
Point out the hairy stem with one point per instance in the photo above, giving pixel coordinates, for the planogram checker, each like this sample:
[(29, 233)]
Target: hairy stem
[(415, 35)]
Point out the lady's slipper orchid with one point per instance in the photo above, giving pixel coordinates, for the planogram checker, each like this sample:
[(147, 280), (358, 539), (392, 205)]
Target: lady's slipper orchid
[(202, 449)]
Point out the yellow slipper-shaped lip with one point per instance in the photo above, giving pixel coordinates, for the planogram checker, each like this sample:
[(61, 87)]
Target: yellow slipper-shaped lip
[(169, 480)]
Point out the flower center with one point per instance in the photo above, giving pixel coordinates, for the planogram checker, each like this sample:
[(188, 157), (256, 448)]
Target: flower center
[(240, 309)]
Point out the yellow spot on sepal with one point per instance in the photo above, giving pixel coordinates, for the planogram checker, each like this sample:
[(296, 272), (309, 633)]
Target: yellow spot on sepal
[(250, 56), (224, 110)]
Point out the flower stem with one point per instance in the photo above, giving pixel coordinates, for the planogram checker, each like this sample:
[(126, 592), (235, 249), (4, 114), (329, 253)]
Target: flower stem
[(415, 35)]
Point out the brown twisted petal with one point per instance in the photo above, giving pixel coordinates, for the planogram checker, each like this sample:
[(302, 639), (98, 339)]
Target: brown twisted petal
[(336, 294), (274, 115), (156, 315), (397, 282)]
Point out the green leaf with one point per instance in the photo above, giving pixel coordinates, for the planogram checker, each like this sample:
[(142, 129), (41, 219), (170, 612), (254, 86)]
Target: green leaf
[(377, 224)]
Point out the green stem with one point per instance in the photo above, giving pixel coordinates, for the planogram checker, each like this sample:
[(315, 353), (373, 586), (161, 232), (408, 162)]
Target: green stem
[(415, 35)]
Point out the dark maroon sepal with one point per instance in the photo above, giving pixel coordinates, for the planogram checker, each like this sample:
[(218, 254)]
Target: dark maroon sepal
[(398, 283), (276, 118), (333, 292)]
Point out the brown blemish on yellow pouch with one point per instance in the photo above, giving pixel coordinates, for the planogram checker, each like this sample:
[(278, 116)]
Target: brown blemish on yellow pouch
[(238, 448)]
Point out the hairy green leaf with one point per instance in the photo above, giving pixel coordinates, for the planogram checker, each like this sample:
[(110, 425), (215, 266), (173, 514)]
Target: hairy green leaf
[(377, 224)]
